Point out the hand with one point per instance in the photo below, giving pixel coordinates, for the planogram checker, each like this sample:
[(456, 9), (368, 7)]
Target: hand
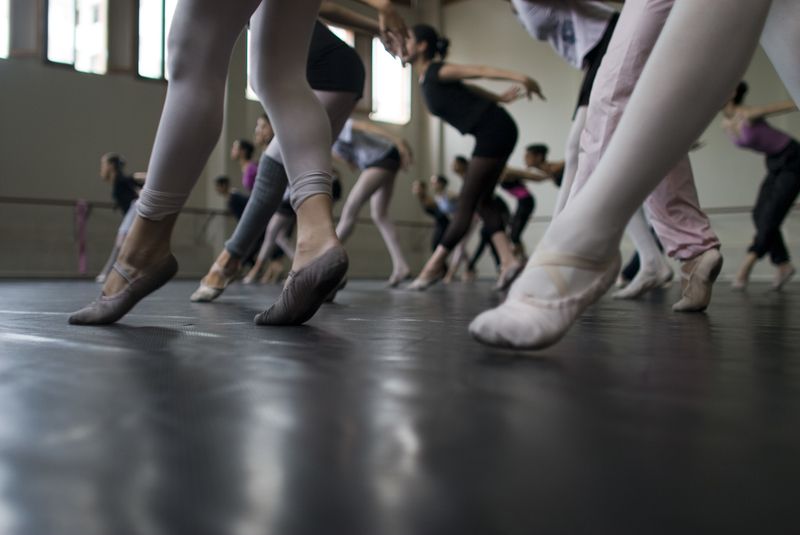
[(393, 31), (532, 88), (406, 155), (511, 95)]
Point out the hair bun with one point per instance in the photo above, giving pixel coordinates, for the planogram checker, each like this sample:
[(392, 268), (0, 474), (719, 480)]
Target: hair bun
[(442, 45)]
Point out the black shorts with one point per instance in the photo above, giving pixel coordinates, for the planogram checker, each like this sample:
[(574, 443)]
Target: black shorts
[(333, 65), (391, 161), (595, 58), (495, 134)]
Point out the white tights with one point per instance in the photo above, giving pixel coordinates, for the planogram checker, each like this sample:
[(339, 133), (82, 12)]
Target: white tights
[(638, 229), (376, 184), (201, 39), (677, 96)]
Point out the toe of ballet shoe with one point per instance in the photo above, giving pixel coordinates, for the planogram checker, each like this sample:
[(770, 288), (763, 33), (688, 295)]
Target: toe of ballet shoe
[(516, 325), (738, 285), (205, 294), (644, 282), (307, 289), (524, 321), (778, 285), (110, 309), (703, 272), (394, 282)]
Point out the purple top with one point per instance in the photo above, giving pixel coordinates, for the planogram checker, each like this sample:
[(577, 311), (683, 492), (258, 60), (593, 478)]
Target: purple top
[(761, 137), (249, 175)]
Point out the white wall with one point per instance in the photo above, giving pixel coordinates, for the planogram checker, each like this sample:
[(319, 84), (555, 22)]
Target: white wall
[(486, 32)]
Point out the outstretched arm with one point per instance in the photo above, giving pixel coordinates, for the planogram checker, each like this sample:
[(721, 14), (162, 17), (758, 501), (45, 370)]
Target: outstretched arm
[(453, 73), (406, 154), (756, 113), (341, 15), (509, 173), (393, 30)]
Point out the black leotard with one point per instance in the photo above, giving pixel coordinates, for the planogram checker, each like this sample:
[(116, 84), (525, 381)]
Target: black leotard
[(453, 101)]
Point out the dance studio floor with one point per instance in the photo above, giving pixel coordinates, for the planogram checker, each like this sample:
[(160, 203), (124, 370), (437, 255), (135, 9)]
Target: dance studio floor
[(382, 416)]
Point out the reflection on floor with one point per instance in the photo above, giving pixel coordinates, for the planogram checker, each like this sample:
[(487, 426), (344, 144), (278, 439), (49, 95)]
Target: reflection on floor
[(382, 416)]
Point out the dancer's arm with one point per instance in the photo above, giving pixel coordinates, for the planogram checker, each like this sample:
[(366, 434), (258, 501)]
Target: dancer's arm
[(406, 154), (450, 72), (393, 30), (756, 113), (510, 173), (341, 15)]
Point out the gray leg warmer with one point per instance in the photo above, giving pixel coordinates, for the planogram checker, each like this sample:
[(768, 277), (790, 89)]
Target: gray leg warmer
[(267, 195)]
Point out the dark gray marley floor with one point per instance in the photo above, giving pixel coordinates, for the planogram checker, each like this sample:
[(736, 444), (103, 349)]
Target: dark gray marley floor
[(382, 416)]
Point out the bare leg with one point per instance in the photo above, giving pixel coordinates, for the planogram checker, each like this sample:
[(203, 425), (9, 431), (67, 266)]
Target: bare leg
[(677, 96)]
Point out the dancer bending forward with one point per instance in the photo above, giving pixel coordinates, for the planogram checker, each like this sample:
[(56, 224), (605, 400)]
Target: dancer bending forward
[(747, 129), (472, 111)]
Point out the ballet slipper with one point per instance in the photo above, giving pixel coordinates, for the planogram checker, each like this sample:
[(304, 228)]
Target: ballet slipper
[(525, 321), (738, 285), (783, 278), (420, 285), (697, 278), (395, 280), (469, 276), (508, 276), (109, 309), (206, 293), (332, 295), (306, 289), (645, 281), (100, 278)]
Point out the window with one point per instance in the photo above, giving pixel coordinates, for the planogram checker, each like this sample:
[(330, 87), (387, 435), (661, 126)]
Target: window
[(391, 87), (77, 34), (345, 35), (155, 18), (4, 27)]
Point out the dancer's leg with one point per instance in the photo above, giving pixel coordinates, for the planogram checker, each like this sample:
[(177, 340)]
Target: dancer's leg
[(275, 226), (571, 153), (379, 204), (524, 211), (284, 240), (271, 182), (654, 271), (201, 40), (368, 183), (677, 96), (481, 179), (781, 41)]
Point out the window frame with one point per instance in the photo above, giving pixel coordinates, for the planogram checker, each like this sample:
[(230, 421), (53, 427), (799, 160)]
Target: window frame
[(45, 38), (164, 30)]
